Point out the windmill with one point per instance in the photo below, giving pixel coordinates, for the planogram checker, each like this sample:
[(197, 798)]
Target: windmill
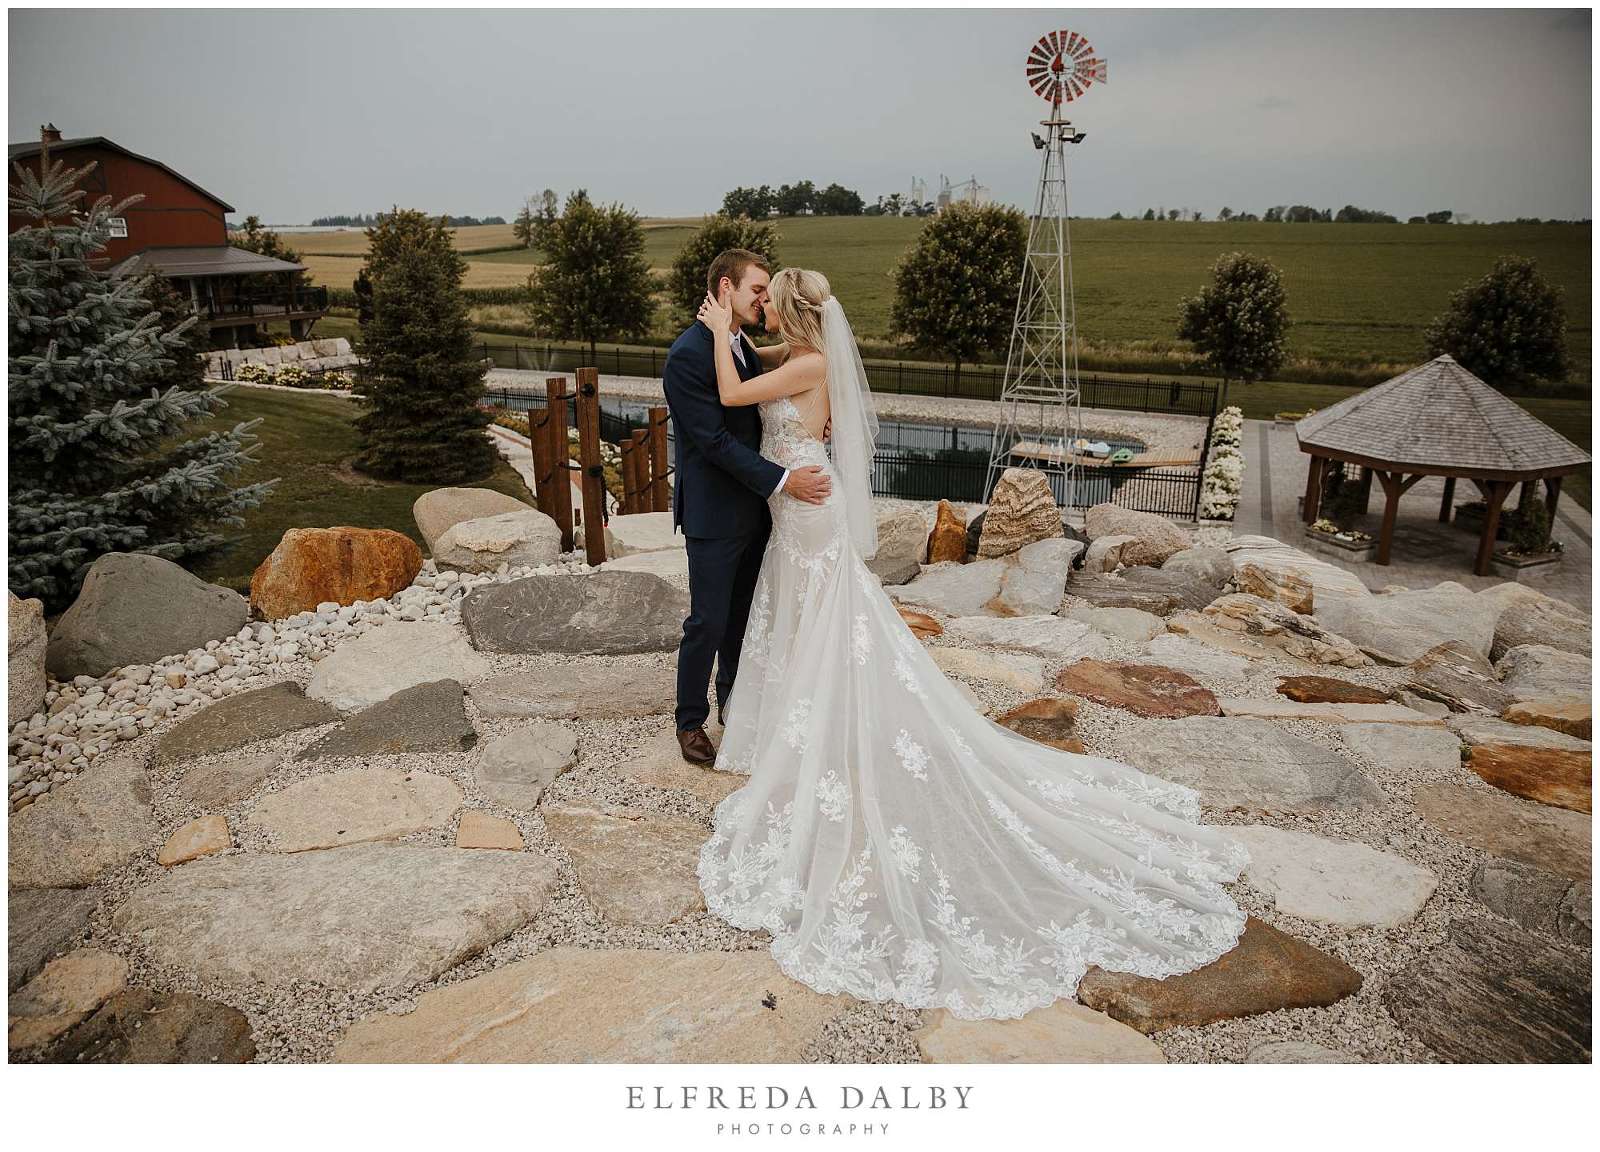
[(1040, 393)]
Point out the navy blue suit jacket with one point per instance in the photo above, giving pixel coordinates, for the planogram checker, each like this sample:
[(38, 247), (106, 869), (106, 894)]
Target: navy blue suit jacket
[(720, 479)]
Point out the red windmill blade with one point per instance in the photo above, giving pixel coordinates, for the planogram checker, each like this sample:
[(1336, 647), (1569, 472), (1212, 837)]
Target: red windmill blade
[(1061, 66)]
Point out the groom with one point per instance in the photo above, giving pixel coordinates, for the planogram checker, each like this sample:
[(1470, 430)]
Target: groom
[(719, 496)]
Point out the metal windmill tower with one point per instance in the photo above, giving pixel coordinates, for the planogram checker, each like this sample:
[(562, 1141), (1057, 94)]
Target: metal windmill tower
[(1040, 392)]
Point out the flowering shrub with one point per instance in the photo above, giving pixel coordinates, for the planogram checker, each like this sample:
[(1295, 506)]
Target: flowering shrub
[(290, 376), (1330, 528), (1224, 474)]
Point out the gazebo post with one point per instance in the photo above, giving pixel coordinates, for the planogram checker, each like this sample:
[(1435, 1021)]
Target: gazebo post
[(1552, 493), (1313, 501), (1498, 491), (1391, 505), (1449, 499)]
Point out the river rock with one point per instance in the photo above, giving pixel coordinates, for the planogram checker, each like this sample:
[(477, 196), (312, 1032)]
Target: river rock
[(1250, 766), (62, 995), (1128, 624), (953, 588), (1327, 690), (260, 714), (42, 923), (1267, 972), (618, 1005), (65, 839), (377, 664), (1493, 994), (135, 609), (1059, 1033), (138, 1026), (1211, 565), (1552, 839), (1020, 673), (602, 614), (948, 540), (1568, 714), (1549, 775), (636, 867), (203, 837), (1537, 900), (1458, 677), (1049, 636), (1334, 881), (424, 718), (515, 769), (1401, 627), (1021, 510), (312, 566), (659, 763), (639, 532), (26, 642), (1535, 671), (441, 509), (1143, 689), (1156, 537), (1050, 720), (593, 689), (1282, 586), (355, 806), (527, 538), (263, 918)]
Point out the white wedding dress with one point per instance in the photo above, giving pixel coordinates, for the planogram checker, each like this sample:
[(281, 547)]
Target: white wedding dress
[(899, 845)]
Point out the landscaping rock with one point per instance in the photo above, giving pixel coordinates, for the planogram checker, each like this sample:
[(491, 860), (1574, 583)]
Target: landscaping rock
[(62, 995), (1197, 659), (1105, 554), (922, 625), (948, 540), (1263, 626), (1459, 678), (42, 923), (1211, 565), (1277, 709), (1538, 671), (592, 688), (1552, 839), (1143, 689), (659, 763), (1401, 627), (1496, 995), (1528, 616), (515, 769), (263, 918), (1475, 729), (440, 510), (203, 837), (1156, 537), (1549, 775), (1425, 751), (1051, 720), (1049, 636), (603, 614), (1291, 589), (527, 538), (1537, 900), (1021, 511), (1129, 624), (426, 718), (1020, 673), (671, 564), (1153, 590), (618, 1005), (641, 532), (1327, 690), (902, 537), (260, 714), (1329, 582), (222, 782), (101, 819), (377, 664), (1060, 1033), (312, 566), (1567, 714), (135, 609), (355, 806), (26, 642), (1297, 1052), (138, 1026), (1267, 972), (483, 831), (1334, 881), (1036, 577), (636, 867), (954, 589)]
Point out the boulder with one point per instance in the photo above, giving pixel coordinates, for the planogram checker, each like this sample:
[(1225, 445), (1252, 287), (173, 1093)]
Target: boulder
[(1492, 994), (1021, 511), (341, 565), (1537, 900), (138, 1026), (1329, 582), (892, 570), (953, 588), (42, 923), (1291, 589), (1568, 714), (1155, 537), (1017, 672), (1153, 590), (263, 918), (1265, 628), (1327, 690), (259, 714), (1105, 554), (1334, 881), (671, 564), (353, 807), (602, 614), (1536, 671), (1143, 689), (1528, 616), (521, 539), (101, 819), (641, 532), (1552, 839), (423, 718), (1059, 1033), (1129, 624), (570, 1005), (1549, 775), (62, 996), (1459, 678), (1048, 636), (1050, 720), (135, 609), (26, 642), (515, 769), (948, 540), (1245, 765), (1267, 972), (377, 664), (1401, 627), (1211, 565), (593, 689), (1476, 729), (636, 867), (902, 536), (1035, 577)]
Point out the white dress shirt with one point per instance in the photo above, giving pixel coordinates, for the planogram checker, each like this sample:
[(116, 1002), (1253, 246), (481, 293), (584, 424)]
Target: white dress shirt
[(736, 339)]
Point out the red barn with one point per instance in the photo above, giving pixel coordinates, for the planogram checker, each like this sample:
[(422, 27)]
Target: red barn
[(179, 230)]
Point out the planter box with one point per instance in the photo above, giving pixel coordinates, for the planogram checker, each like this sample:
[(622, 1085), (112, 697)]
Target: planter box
[(1350, 551), (1513, 568)]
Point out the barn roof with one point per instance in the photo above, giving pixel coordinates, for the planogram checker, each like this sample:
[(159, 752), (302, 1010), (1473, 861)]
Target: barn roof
[(1439, 416), (21, 151), (209, 260)]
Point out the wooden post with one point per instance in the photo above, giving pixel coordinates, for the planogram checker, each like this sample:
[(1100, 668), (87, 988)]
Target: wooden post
[(1552, 493), (660, 497), (1391, 505), (1498, 490), (1445, 505), (560, 477), (1366, 488), (639, 439), (539, 441), (629, 484), (592, 472), (1313, 500)]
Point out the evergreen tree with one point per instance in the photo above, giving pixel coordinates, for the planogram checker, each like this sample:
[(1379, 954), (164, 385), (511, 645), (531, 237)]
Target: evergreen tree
[(595, 283), (419, 379), (1509, 328), (956, 290), (97, 463), (264, 242), (1238, 321), (687, 282), (175, 313), (363, 293)]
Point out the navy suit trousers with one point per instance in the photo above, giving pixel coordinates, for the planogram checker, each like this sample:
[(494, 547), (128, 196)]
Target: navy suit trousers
[(722, 582)]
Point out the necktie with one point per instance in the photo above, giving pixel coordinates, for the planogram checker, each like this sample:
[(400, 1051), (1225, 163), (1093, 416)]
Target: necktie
[(738, 347)]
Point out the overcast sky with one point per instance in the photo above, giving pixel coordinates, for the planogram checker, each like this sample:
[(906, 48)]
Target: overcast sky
[(298, 114)]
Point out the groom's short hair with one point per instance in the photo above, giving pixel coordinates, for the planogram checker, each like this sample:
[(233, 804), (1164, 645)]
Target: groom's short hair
[(733, 264)]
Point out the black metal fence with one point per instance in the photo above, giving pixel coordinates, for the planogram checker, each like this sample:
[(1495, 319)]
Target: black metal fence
[(912, 378)]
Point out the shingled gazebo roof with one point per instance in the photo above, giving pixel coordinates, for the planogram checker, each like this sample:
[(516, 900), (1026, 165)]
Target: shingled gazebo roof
[(1440, 418)]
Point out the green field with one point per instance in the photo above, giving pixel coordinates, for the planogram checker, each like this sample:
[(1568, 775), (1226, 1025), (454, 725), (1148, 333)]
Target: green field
[(307, 442), (1360, 295)]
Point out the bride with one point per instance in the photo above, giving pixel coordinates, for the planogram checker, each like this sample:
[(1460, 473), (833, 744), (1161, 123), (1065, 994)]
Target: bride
[(896, 843)]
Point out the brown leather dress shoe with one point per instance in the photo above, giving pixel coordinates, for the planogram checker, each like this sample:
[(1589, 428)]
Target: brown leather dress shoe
[(696, 746)]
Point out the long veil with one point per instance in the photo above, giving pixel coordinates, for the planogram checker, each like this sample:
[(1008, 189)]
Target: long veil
[(855, 425)]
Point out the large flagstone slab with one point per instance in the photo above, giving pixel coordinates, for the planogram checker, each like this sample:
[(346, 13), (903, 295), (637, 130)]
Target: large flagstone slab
[(1334, 881)]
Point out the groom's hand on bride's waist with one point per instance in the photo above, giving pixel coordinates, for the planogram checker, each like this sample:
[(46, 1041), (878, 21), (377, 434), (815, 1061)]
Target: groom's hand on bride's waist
[(808, 484)]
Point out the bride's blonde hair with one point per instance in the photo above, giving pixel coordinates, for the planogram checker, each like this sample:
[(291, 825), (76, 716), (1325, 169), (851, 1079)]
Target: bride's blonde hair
[(797, 297)]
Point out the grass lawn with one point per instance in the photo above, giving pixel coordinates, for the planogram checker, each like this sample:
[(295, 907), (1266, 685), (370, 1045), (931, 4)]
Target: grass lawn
[(307, 441)]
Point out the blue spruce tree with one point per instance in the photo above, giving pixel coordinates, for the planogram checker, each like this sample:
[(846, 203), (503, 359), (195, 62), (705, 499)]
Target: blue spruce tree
[(98, 463)]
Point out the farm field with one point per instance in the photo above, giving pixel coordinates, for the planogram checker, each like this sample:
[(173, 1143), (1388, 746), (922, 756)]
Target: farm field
[(1360, 295)]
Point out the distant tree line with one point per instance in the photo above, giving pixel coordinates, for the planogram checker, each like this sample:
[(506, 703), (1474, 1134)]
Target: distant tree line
[(372, 219), (1305, 214), (793, 200)]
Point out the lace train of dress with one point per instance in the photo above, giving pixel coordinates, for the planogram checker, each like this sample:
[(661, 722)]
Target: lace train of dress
[(899, 845)]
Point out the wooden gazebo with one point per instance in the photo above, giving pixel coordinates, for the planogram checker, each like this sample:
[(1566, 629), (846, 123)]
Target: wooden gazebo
[(1437, 420)]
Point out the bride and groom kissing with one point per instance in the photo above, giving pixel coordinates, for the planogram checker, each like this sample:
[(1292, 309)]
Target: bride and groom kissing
[(896, 843)]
